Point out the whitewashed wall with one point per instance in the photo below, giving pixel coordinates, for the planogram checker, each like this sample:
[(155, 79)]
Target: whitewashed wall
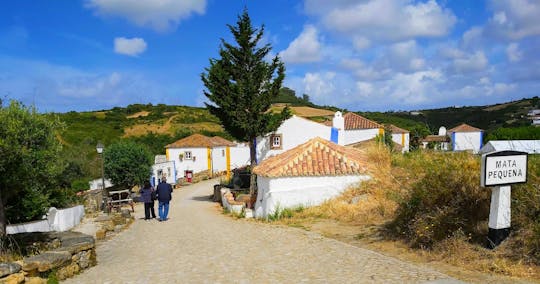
[(168, 169), (358, 135), (399, 138), (462, 141), (198, 165), (290, 192), (239, 156), (219, 159), (294, 131), (57, 220)]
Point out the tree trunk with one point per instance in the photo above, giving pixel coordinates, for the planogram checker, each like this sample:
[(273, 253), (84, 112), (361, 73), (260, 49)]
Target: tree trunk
[(253, 158), (3, 220)]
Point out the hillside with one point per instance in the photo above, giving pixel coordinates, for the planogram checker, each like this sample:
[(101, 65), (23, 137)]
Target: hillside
[(489, 118)]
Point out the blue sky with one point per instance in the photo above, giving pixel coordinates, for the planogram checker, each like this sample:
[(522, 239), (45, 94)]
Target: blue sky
[(363, 55)]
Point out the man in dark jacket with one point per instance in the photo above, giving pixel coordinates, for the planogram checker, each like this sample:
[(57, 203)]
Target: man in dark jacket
[(164, 195)]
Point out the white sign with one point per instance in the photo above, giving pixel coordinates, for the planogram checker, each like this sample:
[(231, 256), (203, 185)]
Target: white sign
[(504, 168)]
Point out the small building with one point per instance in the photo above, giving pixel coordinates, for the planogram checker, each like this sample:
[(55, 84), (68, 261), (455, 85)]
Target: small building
[(400, 137), (307, 175), (528, 146), (291, 133), (466, 138), (355, 128), (198, 153), (436, 142), (163, 168)]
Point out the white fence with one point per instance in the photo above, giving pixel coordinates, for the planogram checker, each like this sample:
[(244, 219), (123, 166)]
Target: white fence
[(57, 220)]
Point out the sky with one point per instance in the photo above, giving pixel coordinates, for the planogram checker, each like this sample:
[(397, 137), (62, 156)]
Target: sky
[(362, 55)]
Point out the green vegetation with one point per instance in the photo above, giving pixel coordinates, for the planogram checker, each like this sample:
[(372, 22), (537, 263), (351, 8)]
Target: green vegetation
[(127, 163), (29, 165), (241, 85)]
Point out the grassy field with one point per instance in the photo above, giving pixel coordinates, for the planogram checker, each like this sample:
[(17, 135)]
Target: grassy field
[(428, 207)]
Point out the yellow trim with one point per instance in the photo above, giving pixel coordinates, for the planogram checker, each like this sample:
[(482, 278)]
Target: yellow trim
[(402, 139), (228, 157), (381, 131), (167, 154), (209, 158)]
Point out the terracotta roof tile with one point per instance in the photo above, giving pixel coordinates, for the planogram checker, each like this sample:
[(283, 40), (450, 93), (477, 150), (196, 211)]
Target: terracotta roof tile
[(436, 138), (465, 128), (396, 129), (317, 157), (199, 140), (355, 121)]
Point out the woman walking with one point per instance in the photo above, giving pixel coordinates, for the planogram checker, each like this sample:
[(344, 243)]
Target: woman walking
[(147, 196)]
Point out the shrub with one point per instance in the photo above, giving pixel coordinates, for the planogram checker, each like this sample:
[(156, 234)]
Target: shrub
[(448, 198)]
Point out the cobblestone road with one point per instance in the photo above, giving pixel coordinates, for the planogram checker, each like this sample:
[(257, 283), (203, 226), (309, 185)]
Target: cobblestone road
[(200, 245)]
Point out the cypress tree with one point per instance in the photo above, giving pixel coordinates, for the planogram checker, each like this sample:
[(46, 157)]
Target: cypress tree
[(241, 85)]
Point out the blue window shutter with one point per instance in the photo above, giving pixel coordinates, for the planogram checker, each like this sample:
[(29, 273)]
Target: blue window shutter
[(453, 141), (334, 135)]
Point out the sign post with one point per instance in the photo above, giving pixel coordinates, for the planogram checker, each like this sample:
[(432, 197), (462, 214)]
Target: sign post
[(500, 170)]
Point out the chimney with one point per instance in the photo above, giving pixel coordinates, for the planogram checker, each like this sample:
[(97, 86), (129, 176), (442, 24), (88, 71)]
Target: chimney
[(338, 121)]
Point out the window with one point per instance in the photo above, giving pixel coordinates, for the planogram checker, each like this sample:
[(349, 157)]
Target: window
[(222, 153), (276, 141), (187, 155)]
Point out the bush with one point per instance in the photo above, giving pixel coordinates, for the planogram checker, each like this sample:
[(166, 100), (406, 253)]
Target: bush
[(448, 198)]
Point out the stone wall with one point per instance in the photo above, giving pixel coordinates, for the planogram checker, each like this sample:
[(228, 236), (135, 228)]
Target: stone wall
[(58, 254)]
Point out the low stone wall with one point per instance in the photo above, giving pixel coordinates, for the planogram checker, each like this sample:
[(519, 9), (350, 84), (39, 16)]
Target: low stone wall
[(60, 254), (228, 202), (57, 220)]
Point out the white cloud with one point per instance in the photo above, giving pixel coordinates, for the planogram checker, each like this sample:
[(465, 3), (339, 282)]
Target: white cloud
[(131, 47), (473, 37), (515, 19), (361, 43), (319, 85), (385, 19), (471, 62), (513, 53), (305, 48), (160, 15)]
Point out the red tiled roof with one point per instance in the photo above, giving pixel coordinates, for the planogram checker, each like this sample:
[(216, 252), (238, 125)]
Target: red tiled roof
[(396, 129), (465, 128), (436, 138), (199, 140), (317, 157), (355, 121)]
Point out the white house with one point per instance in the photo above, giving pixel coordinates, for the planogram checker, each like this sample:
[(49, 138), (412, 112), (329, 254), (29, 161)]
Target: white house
[(307, 175), (291, 133), (198, 153), (465, 137), (529, 146), (163, 168), (400, 137), (355, 128)]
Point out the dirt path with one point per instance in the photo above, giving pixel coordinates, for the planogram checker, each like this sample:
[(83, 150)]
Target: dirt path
[(200, 245)]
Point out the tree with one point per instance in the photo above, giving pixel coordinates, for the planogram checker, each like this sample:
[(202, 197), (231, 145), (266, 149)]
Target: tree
[(241, 86), (127, 163), (29, 167)]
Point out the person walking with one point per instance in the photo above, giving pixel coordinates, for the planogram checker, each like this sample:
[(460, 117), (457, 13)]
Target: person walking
[(147, 194), (164, 196)]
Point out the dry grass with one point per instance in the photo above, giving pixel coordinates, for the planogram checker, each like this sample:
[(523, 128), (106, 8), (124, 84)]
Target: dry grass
[(365, 224), (168, 127), (139, 114), (303, 111)]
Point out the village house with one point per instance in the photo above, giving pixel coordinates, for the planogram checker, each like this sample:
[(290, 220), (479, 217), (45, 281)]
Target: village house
[(401, 138), (460, 138), (291, 133), (163, 168), (466, 138), (307, 175), (198, 153), (345, 129)]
